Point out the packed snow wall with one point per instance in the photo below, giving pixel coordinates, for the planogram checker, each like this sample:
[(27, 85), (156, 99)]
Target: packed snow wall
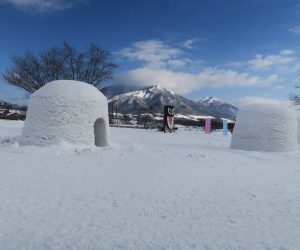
[(298, 116), (66, 111), (265, 127)]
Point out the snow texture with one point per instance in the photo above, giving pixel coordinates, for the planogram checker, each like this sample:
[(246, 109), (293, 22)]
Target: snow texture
[(148, 190), (66, 111), (265, 127)]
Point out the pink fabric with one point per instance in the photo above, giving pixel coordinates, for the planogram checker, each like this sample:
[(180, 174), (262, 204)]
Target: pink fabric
[(207, 128)]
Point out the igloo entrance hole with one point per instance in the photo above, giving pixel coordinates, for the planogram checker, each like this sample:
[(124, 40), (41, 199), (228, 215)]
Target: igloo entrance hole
[(100, 132)]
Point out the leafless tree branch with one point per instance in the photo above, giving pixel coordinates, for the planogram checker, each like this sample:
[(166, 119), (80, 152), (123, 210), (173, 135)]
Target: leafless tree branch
[(32, 71)]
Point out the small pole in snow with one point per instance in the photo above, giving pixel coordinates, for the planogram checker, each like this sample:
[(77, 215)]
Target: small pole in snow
[(225, 127)]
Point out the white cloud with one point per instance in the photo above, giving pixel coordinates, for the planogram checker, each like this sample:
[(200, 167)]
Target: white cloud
[(256, 99), (162, 64), (42, 5), (154, 53), (182, 82), (260, 62), (177, 63), (295, 30), (157, 54), (191, 43), (286, 52), (283, 59)]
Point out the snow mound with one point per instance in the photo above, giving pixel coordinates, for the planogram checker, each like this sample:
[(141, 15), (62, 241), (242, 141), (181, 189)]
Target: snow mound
[(298, 116), (66, 111), (265, 127)]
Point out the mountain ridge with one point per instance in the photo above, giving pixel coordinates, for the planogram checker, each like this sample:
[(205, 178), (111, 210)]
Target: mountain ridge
[(153, 98)]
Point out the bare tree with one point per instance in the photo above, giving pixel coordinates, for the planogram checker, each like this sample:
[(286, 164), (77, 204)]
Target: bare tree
[(146, 117), (95, 66), (51, 63), (114, 104), (26, 72), (32, 71)]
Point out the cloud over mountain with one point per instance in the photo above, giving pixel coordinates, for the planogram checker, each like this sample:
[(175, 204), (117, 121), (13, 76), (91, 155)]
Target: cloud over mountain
[(42, 5), (169, 66)]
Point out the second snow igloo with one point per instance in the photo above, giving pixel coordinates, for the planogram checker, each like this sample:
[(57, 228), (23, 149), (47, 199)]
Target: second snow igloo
[(66, 111), (265, 127), (298, 115)]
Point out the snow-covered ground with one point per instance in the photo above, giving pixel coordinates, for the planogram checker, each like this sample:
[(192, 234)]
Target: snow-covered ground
[(149, 190)]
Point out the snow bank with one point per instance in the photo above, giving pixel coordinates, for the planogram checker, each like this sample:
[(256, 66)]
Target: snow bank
[(265, 127), (69, 111)]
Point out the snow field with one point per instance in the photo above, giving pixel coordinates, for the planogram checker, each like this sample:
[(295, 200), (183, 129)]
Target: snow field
[(149, 190)]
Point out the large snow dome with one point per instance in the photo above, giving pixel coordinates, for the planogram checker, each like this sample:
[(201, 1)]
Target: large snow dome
[(298, 114), (69, 111), (265, 127)]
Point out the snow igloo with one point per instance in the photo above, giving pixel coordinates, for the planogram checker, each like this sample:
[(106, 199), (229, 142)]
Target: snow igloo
[(298, 115), (66, 111), (265, 127)]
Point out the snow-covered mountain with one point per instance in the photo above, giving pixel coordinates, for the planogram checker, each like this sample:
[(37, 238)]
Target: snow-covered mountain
[(153, 98), (218, 107)]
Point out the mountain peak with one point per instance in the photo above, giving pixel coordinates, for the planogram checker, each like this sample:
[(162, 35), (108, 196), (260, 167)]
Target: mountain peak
[(158, 89), (155, 87), (210, 100)]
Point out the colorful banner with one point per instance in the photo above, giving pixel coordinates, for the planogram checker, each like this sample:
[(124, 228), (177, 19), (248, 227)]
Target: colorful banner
[(207, 128), (225, 128)]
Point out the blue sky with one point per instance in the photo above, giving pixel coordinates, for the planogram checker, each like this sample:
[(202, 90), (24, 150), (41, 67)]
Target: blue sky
[(233, 49)]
